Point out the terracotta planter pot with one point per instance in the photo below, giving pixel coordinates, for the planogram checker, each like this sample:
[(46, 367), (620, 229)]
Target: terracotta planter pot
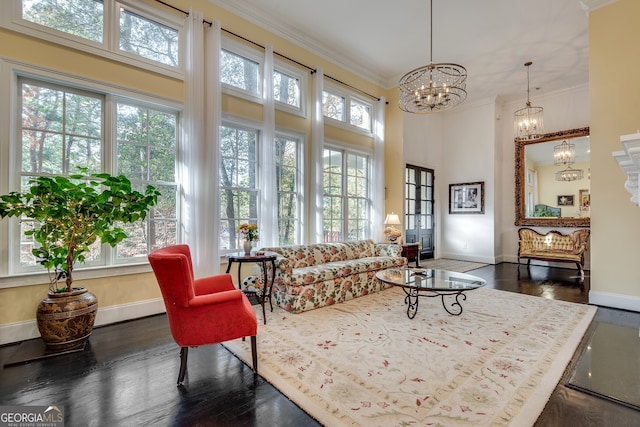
[(65, 320)]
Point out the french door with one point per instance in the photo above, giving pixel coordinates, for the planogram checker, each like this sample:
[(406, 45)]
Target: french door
[(419, 209)]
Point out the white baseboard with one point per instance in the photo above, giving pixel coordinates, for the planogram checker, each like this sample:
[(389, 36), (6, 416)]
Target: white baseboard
[(20, 331), (606, 299)]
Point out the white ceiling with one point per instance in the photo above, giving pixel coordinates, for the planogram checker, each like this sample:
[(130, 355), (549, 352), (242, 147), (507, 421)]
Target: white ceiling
[(542, 154), (382, 39)]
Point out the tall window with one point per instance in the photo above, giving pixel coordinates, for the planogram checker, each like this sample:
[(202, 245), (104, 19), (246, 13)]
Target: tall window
[(63, 128), (289, 186), (346, 183), (146, 152), (60, 129), (238, 182)]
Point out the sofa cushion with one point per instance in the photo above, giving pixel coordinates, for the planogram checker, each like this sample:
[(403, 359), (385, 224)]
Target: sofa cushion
[(333, 270), (321, 253)]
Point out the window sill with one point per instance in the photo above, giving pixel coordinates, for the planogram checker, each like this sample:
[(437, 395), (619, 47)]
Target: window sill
[(80, 274)]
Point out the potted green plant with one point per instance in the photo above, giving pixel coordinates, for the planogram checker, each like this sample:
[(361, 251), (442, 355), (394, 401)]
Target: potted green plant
[(69, 215)]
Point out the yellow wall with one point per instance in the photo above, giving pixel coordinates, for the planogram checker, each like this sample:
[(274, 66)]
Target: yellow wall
[(615, 110), (393, 157), (18, 304), (550, 189)]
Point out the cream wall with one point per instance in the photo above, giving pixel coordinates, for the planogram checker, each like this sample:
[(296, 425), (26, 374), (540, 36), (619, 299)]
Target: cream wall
[(128, 296), (550, 189), (615, 110)]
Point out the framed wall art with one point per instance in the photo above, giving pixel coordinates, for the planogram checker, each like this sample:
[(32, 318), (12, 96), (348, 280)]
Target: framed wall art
[(467, 198), (585, 200), (565, 200)]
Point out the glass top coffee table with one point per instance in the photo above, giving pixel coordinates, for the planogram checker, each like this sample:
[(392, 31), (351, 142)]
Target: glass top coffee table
[(418, 282)]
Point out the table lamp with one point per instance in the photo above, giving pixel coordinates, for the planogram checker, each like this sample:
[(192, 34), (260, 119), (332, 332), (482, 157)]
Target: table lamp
[(392, 232)]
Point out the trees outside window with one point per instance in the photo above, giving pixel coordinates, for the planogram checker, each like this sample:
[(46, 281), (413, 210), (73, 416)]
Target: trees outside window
[(240, 72), (347, 203), (346, 108), (149, 39), (333, 106), (132, 32), (64, 128), (82, 18), (238, 182), (289, 180), (286, 88), (146, 153)]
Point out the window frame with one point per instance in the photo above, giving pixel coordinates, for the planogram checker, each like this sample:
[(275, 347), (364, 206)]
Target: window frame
[(300, 190), (114, 101), (246, 125), (348, 97), (302, 76), (347, 150), (11, 18), (251, 54), (11, 73), (258, 56)]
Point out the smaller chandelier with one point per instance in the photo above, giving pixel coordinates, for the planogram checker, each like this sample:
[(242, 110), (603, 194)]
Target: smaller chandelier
[(569, 174), (564, 154), (527, 122), (433, 87)]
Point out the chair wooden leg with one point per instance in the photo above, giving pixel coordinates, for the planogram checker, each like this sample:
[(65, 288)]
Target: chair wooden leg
[(184, 353), (254, 353)]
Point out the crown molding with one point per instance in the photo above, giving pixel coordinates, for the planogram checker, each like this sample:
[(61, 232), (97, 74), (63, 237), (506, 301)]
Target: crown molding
[(269, 22), (591, 5)]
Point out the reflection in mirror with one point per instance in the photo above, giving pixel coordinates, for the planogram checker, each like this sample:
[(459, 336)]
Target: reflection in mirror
[(552, 191)]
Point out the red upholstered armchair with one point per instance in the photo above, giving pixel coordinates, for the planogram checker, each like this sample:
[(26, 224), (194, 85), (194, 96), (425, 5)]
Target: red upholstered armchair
[(202, 311)]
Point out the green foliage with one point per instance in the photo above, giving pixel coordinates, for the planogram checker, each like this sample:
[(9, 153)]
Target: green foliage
[(542, 214), (72, 213)]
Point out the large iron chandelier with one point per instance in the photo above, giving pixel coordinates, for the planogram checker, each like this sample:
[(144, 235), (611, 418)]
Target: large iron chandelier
[(433, 87), (527, 122)]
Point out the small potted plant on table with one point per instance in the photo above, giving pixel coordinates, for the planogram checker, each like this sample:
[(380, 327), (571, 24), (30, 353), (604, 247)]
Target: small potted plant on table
[(69, 215)]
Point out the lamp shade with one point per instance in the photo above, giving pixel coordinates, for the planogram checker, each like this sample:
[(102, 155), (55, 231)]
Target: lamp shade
[(392, 219)]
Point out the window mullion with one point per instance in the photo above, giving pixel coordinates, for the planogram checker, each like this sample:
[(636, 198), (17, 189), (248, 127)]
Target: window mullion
[(111, 25), (345, 195)]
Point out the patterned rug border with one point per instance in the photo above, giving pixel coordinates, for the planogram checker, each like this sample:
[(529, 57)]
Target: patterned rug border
[(531, 404)]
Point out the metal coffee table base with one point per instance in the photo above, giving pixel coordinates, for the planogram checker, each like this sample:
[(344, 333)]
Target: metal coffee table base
[(412, 297)]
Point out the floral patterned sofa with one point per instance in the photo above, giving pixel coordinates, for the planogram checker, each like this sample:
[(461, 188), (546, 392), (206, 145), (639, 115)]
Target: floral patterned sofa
[(312, 276)]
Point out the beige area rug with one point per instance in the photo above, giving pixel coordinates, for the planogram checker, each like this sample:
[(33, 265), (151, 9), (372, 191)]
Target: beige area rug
[(364, 363), (449, 264)]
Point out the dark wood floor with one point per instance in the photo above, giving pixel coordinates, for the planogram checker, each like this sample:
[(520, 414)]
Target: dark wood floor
[(127, 373)]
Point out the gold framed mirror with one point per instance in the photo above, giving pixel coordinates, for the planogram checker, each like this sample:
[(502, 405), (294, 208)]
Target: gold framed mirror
[(541, 199)]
